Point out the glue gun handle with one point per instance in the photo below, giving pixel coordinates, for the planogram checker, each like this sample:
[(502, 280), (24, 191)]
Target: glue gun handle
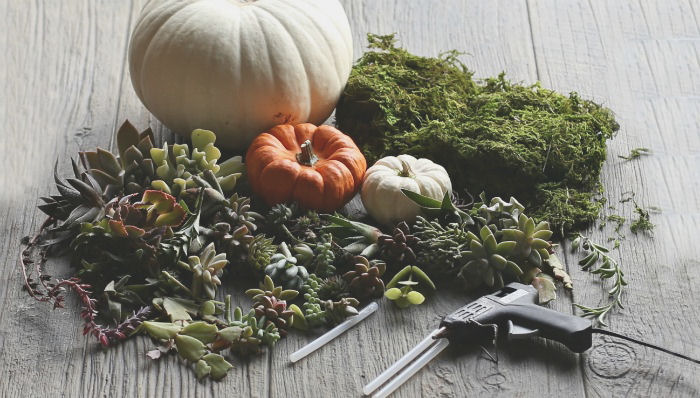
[(572, 331)]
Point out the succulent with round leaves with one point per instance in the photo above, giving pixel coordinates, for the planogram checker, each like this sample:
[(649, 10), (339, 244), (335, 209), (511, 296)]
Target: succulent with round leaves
[(320, 258), (404, 296), (399, 247), (532, 240), (178, 169), (283, 269), (365, 280), (488, 260), (408, 278), (324, 257), (206, 269), (130, 172), (303, 253), (312, 309)]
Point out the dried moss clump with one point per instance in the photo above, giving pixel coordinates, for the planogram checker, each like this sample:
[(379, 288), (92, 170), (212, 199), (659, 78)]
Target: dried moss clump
[(542, 147)]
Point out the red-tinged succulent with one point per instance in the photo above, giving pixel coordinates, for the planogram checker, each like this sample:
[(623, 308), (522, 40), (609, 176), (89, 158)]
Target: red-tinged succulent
[(162, 209), (366, 279), (156, 209)]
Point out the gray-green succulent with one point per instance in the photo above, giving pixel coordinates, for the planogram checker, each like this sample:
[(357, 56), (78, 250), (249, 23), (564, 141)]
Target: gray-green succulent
[(283, 269)]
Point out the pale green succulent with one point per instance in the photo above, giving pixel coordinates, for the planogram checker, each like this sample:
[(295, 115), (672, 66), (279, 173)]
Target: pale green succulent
[(499, 214), (179, 169), (206, 269), (532, 240), (488, 260)]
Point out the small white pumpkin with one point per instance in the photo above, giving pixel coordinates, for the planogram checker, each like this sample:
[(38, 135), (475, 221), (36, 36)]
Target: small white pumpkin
[(381, 190), (240, 67)]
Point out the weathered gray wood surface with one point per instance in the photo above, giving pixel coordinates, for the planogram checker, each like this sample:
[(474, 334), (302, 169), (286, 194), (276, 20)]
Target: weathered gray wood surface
[(64, 87)]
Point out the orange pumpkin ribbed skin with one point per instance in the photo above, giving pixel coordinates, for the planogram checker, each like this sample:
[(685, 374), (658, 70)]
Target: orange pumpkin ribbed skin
[(276, 175)]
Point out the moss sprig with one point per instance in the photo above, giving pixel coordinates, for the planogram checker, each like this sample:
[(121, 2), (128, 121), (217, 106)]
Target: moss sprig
[(491, 135)]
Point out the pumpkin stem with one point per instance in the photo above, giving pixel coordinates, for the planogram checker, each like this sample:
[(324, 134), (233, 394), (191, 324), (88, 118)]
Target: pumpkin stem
[(306, 157), (405, 169)]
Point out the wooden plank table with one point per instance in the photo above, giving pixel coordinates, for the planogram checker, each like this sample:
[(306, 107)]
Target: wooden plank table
[(64, 87)]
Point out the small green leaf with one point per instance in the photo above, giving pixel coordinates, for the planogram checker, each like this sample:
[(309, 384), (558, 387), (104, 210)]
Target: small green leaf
[(202, 331), (539, 243), (393, 293), (189, 347), (513, 234), (288, 295), (219, 366), (298, 320), (485, 232), (543, 234), (514, 268), (490, 244), (161, 330), (415, 297), (506, 248), (498, 262), (201, 369), (200, 138), (268, 283), (230, 334), (529, 227), (535, 258)]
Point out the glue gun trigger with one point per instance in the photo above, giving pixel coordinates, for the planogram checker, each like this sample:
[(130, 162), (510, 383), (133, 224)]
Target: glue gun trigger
[(517, 332)]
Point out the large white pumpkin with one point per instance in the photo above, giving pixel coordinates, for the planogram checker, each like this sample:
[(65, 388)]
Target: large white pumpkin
[(240, 67), (381, 189)]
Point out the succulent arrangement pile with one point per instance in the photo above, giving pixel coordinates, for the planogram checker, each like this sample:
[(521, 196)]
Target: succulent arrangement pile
[(154, 232)]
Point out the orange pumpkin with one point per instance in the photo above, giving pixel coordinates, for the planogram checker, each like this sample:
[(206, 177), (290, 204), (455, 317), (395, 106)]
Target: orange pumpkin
[(318, 167)]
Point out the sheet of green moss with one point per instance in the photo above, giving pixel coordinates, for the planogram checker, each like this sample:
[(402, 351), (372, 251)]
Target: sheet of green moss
[(492, 135)]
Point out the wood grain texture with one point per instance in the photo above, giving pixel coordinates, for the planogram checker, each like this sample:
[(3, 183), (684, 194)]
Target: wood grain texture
[(495, 37), (65, 87), (641, 60)]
